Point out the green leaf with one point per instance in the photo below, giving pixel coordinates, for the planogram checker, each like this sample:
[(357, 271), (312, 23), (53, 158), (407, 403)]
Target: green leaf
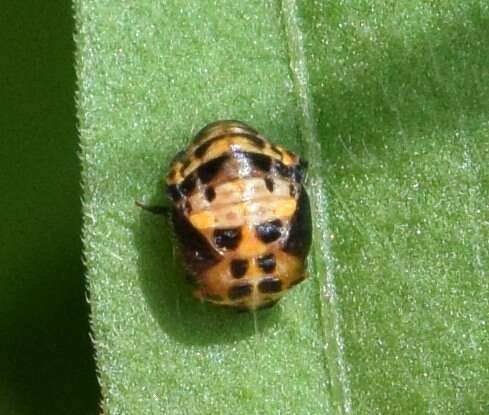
[(389, 102), (46, 358)]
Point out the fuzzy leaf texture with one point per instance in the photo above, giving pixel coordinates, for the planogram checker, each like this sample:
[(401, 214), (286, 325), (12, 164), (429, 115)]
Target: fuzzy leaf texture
[(389, 102)]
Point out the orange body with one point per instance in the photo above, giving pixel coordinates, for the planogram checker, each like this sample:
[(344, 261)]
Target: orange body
[(241, 214)]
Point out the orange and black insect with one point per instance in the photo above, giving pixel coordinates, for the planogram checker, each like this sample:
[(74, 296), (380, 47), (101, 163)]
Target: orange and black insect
[(241, 214)]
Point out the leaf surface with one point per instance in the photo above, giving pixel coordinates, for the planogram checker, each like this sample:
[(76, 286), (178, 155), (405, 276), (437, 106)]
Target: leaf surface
[(389, 103)]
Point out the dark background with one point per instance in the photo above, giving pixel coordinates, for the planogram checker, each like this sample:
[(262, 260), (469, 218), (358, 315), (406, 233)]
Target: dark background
[(46, 358)]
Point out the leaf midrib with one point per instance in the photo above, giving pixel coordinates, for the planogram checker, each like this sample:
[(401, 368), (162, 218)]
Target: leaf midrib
[(321, 257)]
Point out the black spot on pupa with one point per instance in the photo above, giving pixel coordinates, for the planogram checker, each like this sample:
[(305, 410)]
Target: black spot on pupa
[(282, 169), (208, 171), (269, 184), (267, 263), (188, 185), (269, 231), (197, 251), (202, 149), (185, 164), (188, 207), (255, 140), (276, 150), (259, 161), (174, 193), (270, 285), (240, 290), (239, 267), (292, 190), (299, 171), (300, 232), (227, 238), (210, 194)]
